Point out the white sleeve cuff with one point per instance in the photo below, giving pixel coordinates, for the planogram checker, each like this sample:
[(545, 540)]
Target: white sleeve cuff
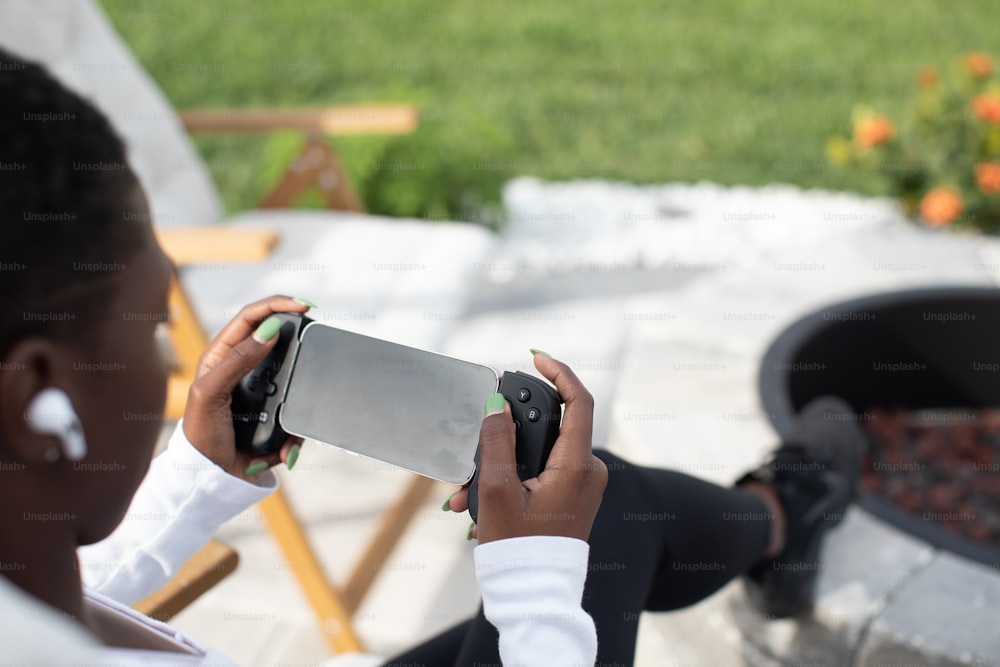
[(532, 591)]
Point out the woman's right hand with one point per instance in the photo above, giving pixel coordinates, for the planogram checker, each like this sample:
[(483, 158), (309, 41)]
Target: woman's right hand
[(563, 500)]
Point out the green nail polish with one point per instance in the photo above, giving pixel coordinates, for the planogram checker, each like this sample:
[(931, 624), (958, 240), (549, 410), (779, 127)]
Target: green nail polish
[(495, 403), (305, 302), (268, 329), (468, 533), (447, 507), (255, 468), (541, 352), (293, 456)]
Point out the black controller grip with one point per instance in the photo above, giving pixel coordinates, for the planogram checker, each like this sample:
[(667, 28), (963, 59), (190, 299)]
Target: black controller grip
[(257, 397), (537, 410)]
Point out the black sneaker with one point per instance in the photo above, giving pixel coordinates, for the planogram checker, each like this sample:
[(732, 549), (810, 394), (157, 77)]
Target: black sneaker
[(815, 473)]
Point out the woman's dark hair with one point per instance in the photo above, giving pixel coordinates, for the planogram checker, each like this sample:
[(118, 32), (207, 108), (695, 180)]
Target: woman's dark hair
[(71, 211)]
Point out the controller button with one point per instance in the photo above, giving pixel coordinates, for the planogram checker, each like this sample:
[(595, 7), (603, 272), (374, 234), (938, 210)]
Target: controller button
[(517, 426), (524, 395), (533, 414)]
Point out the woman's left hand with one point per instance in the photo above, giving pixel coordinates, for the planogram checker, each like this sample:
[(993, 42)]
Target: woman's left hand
[(208, 421)]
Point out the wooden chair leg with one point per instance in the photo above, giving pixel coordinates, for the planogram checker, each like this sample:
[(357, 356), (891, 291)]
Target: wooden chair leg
[(335, 185), (213, 563), (334, 608), (390, 530), (334, 618), (187, 339), (317, 165)]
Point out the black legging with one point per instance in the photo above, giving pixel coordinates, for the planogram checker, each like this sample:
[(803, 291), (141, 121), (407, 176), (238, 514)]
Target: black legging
[(662, 540)]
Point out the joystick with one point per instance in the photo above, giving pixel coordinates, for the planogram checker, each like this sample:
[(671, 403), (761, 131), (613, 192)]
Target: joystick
[(536, 409)]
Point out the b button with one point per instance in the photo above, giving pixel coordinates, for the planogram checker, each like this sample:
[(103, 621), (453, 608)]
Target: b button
[(533, 414)]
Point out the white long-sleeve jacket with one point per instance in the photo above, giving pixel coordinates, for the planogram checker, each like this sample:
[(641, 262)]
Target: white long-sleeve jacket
[(532, 586)]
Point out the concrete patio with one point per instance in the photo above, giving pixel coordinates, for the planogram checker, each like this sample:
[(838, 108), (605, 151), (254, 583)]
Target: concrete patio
[(664, 300)]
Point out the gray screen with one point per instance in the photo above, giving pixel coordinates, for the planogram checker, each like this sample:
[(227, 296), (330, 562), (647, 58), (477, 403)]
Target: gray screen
[(414, 409)]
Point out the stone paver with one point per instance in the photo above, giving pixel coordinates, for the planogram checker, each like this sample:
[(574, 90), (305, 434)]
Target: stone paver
[(947, 614)]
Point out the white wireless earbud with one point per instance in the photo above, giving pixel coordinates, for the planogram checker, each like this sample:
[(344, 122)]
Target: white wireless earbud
[(50, 412)]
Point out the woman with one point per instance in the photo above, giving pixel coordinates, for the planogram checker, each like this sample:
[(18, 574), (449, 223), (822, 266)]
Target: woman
[(80, 401)]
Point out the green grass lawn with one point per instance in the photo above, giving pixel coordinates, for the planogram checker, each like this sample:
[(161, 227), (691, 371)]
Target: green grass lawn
[(737, 92)]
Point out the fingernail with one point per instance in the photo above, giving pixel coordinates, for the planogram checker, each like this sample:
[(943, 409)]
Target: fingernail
[(293, 456), (468, 533), (447, 506), (495, 404), (305, 302), (255, 468), (268, 329), (541, 352)]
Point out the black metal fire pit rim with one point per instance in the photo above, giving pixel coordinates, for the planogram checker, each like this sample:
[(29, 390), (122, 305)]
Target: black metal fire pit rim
[(772, 383)]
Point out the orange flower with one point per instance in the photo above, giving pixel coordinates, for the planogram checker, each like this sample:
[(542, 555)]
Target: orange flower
[(987, 107), (979, 64), (988, 177), (873, 131), (927, 77), (940, 207)]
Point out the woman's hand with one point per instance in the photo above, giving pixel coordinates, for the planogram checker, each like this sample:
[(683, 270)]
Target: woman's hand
[(239, 347), (564, 499)]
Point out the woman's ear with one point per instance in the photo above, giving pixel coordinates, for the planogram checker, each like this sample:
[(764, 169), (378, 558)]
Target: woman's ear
[(28, 368)]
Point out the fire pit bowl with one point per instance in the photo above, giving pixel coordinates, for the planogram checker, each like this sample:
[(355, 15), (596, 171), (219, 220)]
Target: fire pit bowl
[(936, 351)]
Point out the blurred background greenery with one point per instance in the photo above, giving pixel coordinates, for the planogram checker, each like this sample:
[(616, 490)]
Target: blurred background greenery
[(732, 91)]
